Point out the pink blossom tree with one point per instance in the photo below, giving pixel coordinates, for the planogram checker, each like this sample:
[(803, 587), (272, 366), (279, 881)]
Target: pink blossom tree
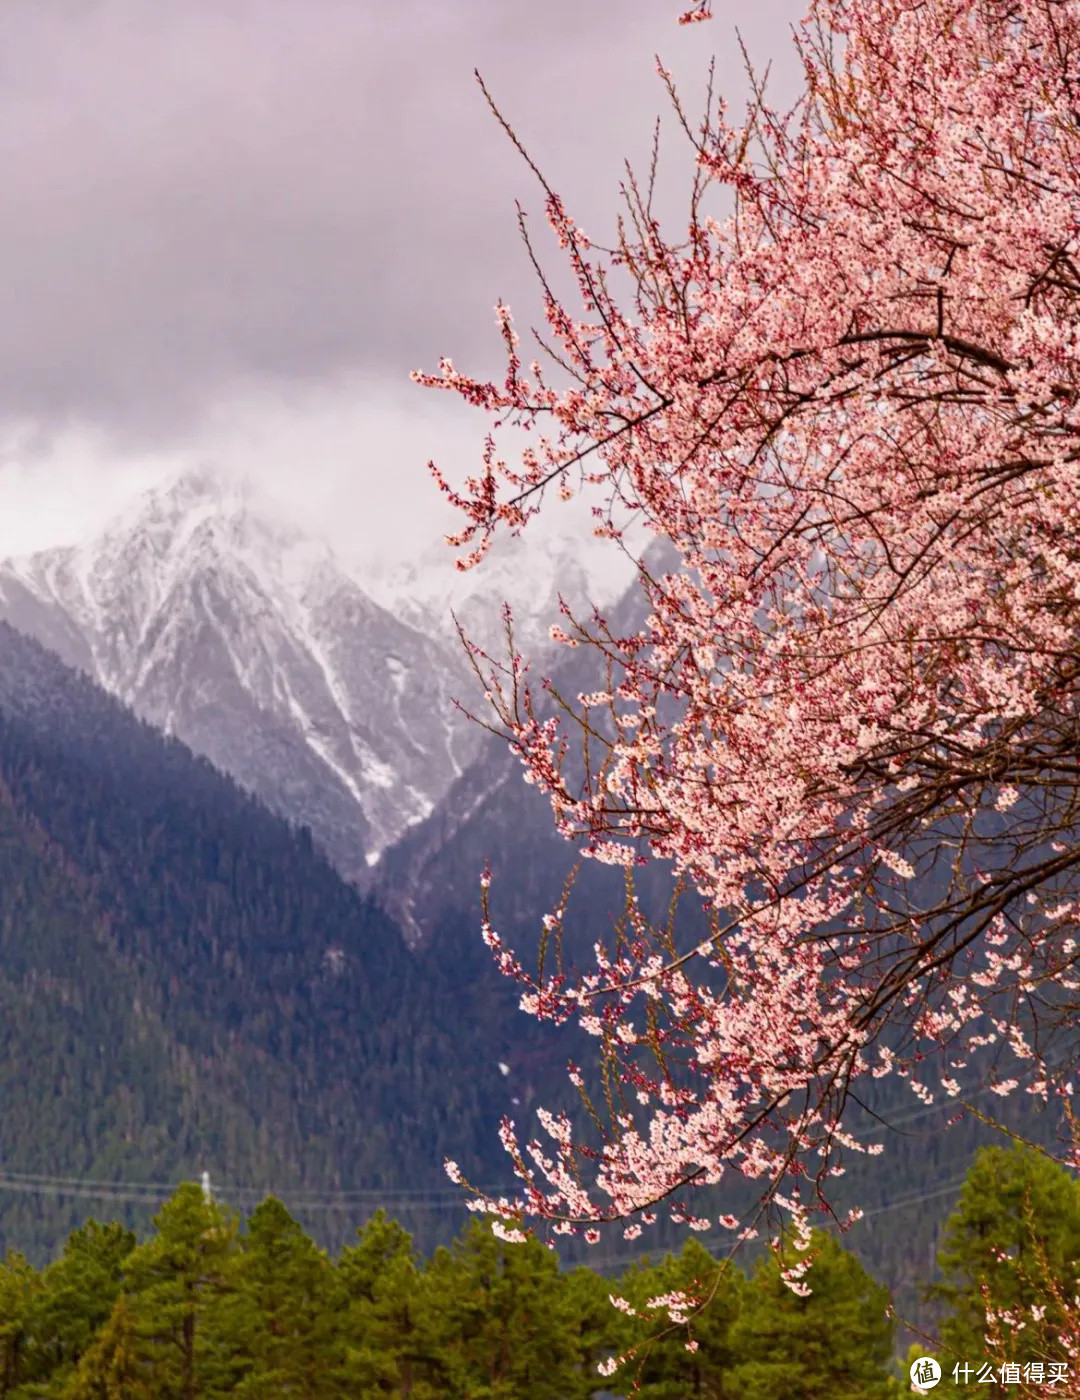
[(849, 399)]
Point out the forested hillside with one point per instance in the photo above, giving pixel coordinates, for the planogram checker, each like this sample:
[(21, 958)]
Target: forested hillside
[(185, 984)]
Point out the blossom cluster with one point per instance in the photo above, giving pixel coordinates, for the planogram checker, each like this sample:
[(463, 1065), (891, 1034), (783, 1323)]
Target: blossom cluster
[(849, 722)]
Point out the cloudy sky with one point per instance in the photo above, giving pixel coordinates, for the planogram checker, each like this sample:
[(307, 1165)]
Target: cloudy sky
[(230, 228)]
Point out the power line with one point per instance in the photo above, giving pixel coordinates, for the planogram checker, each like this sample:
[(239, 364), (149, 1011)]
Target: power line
[(88, 1192), (148, 1192), (944, 1190), (936, 1191), (402, 1199), (312, 1197)]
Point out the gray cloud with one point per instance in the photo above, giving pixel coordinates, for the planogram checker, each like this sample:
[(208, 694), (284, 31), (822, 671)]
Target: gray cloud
[(203, 198), (230, 228)]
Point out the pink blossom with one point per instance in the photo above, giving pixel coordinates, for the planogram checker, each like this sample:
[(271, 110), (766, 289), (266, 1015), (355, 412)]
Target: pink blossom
[(853, 409)]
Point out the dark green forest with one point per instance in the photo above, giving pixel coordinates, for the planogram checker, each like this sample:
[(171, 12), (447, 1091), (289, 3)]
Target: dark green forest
[(187, 985), (210, 1305), (207, 1308)]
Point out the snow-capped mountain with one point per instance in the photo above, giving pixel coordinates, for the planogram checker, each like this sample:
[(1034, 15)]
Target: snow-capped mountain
[(528, 572), (490, 815), (218, 623), (326, 691)]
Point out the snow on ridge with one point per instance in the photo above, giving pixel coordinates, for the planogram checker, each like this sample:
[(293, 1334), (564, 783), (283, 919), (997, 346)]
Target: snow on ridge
[(528, 571), (326, 688)]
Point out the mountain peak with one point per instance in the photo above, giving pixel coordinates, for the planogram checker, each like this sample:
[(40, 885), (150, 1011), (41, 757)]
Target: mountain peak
[(329, 693), (528, 571), (203, 481), (232, 505), (220, 622)]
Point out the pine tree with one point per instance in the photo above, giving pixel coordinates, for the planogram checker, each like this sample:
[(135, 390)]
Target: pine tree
[(503, 1320), (116, 1366), (834, 1343), (77, 1295), (664, 1366), (176, 1284), (19, 1285), (281, 1323), (386, 1322), (595, 1326), (1015, 1226)]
